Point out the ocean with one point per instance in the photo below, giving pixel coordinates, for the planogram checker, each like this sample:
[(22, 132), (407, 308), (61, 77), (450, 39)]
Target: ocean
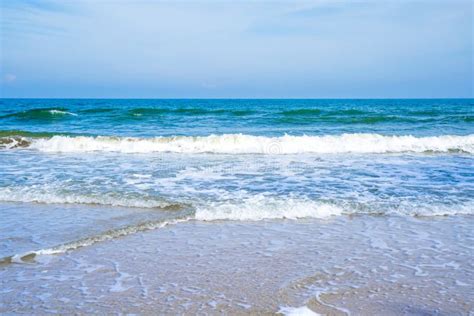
[(82, 180)]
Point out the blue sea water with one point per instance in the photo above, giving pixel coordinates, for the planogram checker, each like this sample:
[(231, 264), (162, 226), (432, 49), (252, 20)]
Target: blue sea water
[(145, 118), (141, 162)]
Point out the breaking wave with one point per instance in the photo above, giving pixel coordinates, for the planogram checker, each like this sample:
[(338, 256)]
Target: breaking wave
[(260, 207), (252, 208), (40, 114), (46, 195), (248, 144)]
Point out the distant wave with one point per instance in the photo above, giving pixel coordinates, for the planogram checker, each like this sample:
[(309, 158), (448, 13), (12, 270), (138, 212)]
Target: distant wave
[(40, 114), (370, 119), (301, 112), (117, 114), (303, 115), (352, 116), (321, 112), (249, 144), (150, 112), (97, 110), (350, 119)]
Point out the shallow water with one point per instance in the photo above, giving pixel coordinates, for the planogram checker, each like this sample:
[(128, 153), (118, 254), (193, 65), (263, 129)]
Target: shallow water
[(360, 265)]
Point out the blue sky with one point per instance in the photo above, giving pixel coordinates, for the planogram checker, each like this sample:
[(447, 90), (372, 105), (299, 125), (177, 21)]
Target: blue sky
[(236, 49)]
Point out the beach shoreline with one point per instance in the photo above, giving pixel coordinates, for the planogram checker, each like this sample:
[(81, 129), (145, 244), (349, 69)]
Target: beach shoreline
[(292, 158), (335, 266), (256, 206)]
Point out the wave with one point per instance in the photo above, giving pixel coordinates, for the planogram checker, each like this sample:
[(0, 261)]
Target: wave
[(249, 207), (97, 110), (248, 144), (57, 113), (307, 116), (40, 114), (29, 256), (48, 195), (302, 112), (376, 119), (303, 115), (253, 208), (150, 112), (260, 207), (10, 139), (355, 119), (325, 113), (435, 210)]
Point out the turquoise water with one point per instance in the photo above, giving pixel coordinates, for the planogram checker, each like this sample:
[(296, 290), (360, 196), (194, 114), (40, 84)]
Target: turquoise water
[(152, 161), (146, 118)]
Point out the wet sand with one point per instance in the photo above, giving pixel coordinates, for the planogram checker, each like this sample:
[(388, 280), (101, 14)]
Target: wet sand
[(357, 265)]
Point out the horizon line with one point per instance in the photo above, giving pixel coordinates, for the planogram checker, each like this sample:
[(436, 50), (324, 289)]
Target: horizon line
[(232, 98)]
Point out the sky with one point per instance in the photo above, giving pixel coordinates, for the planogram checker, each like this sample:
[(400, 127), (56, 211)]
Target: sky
[(236, 49)]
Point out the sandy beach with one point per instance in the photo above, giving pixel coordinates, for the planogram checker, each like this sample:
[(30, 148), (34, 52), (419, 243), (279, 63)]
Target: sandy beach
[(350, 265)]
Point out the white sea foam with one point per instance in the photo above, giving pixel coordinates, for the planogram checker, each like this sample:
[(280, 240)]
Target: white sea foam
[(435, 209), (53, 196), (260, 207), (59, 112), (252, 207), (297, 311), (88, 241), (248, 144)]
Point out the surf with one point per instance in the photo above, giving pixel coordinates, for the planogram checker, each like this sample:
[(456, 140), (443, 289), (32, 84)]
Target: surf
[(357, 143)]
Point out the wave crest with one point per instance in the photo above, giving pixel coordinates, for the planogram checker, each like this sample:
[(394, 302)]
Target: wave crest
[(261, 207), (41, 114), (248, 144), (48, 195), (252, 207)]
